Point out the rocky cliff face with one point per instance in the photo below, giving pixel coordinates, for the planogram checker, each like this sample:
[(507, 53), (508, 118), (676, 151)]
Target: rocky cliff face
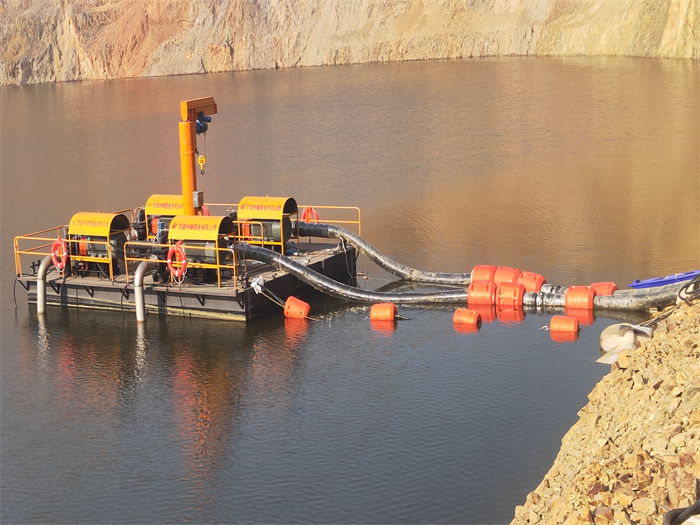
[(635, 451), (60, 40)]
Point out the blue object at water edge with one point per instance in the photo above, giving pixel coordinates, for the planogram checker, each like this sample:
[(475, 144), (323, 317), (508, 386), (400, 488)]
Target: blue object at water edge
[(660, 281)]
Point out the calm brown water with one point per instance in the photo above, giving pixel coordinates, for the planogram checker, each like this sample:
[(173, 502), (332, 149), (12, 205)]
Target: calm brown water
[(581, 169)]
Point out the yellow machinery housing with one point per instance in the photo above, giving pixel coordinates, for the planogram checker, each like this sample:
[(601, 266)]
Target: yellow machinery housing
[(266, 220), (96, 242), (160, 210), (205, 240)]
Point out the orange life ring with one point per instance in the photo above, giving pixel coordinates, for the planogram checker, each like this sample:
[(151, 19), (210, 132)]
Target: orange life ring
[(59, 259), (181, 259), (205, 210), (309, 214)]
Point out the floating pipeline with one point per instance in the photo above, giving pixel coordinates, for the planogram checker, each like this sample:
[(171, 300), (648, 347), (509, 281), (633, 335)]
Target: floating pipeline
[(330, 231), (549, 296)]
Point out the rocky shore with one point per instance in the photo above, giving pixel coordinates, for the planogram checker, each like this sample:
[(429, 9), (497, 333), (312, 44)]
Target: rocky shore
[(58, 40), (634, 454)]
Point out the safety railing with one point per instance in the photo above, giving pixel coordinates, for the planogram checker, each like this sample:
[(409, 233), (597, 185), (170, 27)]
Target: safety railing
[(247, 233), (343, 212), (39, 244), (132, 256), (77, 250)]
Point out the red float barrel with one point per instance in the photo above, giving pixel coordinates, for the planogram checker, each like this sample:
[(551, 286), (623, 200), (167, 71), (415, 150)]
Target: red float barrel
[(606, 288), (482, 293), (483, 272), (383, 312), (510, 295), (296, 308), (531, 281), (506, 275), (579, 297), (563, 328), (467, 317)]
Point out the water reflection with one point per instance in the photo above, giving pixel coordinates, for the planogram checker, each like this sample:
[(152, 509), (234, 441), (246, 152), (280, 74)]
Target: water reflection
[(383, 328), (141, 348), (42, 343)]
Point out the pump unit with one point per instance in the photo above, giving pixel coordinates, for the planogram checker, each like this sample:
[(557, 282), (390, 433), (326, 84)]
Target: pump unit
[(266, 221), (205, 241), (154, 223), (96, 243)]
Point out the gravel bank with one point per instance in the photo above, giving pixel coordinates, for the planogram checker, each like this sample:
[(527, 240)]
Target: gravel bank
[(634, 454)]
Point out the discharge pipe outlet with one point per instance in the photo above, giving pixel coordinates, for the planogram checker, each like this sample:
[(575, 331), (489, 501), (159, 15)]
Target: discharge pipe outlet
[(343, 291), (402, 271), (41, 285), (139, 302)]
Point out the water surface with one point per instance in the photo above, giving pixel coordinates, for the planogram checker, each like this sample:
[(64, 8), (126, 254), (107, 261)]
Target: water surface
[(580, 169)]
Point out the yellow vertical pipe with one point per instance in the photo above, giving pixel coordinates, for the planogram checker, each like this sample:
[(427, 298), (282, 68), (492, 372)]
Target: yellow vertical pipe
[(188, 145)]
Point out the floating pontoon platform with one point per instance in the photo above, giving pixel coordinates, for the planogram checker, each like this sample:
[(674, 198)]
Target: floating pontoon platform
[(191, 299)]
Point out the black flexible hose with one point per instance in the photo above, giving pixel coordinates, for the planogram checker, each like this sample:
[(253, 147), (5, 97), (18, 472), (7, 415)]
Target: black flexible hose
[(679, 516), (402, 271), (343, 291)]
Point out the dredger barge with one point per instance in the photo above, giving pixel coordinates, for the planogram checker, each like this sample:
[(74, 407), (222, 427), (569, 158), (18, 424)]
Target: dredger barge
[(177, 255)]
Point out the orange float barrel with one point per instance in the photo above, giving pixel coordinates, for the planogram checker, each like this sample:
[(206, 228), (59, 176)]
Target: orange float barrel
[(564, 337), (579, 297), (383, 312), (483, 272), (510, 295), (563, 328), (506, 275), (483, 292), (606, 288), (467, 317), (296, 308), (531, 281)]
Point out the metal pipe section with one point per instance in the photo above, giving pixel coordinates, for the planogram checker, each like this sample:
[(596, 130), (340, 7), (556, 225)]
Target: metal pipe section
[(343, 291), (139, 302), (400, 270), (639, 299), (41, 285)]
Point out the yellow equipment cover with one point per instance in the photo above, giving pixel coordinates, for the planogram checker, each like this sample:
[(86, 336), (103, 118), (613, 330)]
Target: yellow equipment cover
[(164, 205), (97, 224), (199, 228), (266, 208)]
